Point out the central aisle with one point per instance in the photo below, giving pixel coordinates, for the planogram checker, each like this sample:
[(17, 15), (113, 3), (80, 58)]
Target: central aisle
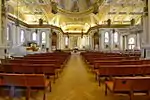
[(75, 83)]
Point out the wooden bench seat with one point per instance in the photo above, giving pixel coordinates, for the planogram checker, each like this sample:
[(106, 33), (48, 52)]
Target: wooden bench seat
[(93, 60), (60, 64), (37, 82), (25, 81), (98, 64), (47, 69), (128, 85), (120, 70)]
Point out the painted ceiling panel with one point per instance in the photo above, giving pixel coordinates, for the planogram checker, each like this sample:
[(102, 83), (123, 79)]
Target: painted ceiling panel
[(118, 11)]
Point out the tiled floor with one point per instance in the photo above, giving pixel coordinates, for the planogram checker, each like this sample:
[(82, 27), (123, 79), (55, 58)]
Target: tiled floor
[(76, 83)]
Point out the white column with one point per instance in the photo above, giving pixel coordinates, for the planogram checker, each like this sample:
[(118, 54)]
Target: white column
[(13, 34), (146, 33), (138, 41), (58, 40), (91, 42), (47, 39), (111, 40), (50, 39), (3, 22), (62, 41), (1, 50), (70, 42), (17, 35), (102, 40), (28, 35), (0, 22)]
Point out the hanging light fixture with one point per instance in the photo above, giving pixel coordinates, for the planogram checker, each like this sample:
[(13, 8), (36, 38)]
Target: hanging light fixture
[(40, 21), (54, 7), (82, 33), (132, 22), (67, 34), (36, 31), (146, 7), (96, 7), (17, 20), (113, 31), (109, 22)]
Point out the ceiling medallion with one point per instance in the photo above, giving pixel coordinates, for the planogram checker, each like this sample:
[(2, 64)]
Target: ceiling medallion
[(76, 9)]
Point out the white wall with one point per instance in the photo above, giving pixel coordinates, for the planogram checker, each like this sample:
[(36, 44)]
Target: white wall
[(15, 35), (111, 44)]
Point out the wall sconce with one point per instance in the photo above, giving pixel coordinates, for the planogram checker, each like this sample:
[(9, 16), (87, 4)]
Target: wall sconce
[(109, 22), (40, 21), (106, 45), (116, 46)]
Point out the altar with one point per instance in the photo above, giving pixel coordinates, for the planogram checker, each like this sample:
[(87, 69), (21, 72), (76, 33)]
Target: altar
[(77, 42)]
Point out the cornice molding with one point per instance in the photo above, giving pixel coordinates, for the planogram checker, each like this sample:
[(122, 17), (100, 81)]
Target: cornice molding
[(106, 26), (58, 28), (75, 14), (15, 19)]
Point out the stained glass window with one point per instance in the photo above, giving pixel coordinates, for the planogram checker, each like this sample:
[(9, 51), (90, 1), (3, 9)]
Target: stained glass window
[(34, 36), (43, 37), (131, 43), (106, 37), (22, 36)]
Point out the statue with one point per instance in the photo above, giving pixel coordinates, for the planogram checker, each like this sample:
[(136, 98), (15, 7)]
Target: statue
[(75, 7)]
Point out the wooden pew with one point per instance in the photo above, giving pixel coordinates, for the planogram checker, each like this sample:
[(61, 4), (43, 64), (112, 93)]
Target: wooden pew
[(46, 69), (119, 70), (13, 81), (91, 61), (37, 82), (128, 85), (25, 81), (59, 64), (100, 63)]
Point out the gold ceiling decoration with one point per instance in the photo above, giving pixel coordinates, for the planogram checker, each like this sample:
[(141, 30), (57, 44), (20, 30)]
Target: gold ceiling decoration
[(75, 13)]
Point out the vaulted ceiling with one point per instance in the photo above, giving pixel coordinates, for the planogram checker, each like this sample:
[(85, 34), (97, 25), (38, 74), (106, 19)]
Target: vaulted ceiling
[(76, 15)]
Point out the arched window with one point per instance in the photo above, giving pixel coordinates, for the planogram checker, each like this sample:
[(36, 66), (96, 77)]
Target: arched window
[(22, 36), (34, 36), (8, 33), (115, 37), (66, 40), (43, 37), (106, 37), (131, 43)]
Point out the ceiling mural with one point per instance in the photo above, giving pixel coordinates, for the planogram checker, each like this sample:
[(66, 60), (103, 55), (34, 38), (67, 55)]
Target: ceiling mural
[(76, 15), (75, 5)]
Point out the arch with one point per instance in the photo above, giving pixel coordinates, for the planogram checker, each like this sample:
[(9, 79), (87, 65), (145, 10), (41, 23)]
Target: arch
[(131, 43), (8, 37), (22, 36), (43, 37), (131, 40), (106, 37), (34, 36)]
